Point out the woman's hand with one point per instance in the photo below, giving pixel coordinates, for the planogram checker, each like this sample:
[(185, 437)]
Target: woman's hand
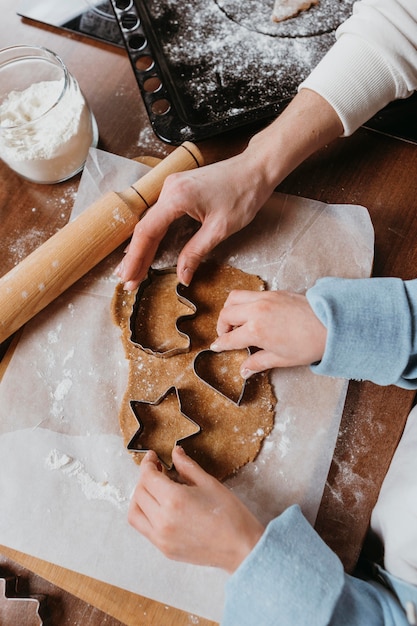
[(280, 323), (224, 197), (197, 520)]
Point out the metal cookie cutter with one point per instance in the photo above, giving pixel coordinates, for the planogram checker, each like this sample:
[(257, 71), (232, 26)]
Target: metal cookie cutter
[(16, 609), (217, 378), (135, 335), (146, 427)]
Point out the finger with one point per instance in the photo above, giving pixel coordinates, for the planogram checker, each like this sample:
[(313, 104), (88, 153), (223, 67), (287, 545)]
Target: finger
[(188, 470), (232, 318), (243, 296), (138, 518), (211, 233), (188, 262), (143, 505), (134, 266), (146, 238), (145, 499), (150, 459), (138, 521), (157, 484), (261, 361), (214, 229), (151, 475), (142, 248), (236, 311), (236, 338)]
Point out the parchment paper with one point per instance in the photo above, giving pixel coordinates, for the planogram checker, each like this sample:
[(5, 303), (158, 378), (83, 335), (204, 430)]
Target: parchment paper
[(66, 479)]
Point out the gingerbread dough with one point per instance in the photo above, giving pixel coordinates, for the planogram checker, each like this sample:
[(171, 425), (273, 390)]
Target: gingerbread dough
[(231, 435)]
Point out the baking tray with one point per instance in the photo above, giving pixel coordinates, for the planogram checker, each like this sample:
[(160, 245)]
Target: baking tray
[(207, 66)]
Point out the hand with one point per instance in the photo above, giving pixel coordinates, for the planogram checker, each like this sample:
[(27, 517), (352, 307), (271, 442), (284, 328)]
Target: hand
[(198, 521), (224, 197), (281, 324)]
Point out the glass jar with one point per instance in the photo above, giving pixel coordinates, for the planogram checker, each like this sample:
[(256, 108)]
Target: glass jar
[(46, 125)]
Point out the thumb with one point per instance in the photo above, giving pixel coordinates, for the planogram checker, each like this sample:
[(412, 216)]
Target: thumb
[(259, 362), (196, 249), (188, 470)]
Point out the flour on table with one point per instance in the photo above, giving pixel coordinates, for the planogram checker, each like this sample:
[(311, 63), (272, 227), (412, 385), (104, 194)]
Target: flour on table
[(92, 489)]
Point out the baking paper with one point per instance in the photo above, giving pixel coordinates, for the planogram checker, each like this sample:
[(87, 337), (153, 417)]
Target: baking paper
[(66, 478)]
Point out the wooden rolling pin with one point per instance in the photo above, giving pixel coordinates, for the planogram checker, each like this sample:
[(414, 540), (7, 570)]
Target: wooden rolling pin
[(83, 243)]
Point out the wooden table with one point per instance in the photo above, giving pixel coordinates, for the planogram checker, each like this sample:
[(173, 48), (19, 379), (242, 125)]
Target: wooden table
[(369, 169)]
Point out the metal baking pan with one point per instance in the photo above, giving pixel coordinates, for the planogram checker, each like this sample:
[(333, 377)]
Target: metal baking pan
[(207, 66)]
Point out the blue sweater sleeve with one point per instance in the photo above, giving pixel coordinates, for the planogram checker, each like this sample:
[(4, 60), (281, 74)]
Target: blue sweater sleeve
[(371, 329), (292, 578)]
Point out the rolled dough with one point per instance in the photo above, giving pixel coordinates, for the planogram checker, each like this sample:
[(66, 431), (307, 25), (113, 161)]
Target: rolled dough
[(231, 434)]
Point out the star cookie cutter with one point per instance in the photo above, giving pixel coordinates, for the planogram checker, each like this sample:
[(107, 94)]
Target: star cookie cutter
[(216, 378), (135, 444), (136, 337), (18, 609)]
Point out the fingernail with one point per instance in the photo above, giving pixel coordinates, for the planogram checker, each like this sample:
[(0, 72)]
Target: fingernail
[(245, 373), (119, 270), (152, 457), (214, 347), (179, 450), (129, 285), (186, 276)]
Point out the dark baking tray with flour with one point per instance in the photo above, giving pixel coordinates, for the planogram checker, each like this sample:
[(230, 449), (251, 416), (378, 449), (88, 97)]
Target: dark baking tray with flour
[(207, 66)]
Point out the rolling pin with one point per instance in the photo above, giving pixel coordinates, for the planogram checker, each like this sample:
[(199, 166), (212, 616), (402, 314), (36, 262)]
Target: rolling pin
[(80, 245)]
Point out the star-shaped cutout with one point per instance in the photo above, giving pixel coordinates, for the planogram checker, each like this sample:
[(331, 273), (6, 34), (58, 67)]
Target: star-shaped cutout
[(162, 425)]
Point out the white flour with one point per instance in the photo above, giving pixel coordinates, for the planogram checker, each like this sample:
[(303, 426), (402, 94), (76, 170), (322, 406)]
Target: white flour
[(92, 488), (43, 141)]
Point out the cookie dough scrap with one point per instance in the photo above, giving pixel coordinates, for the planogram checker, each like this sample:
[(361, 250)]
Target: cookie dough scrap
[(231, 435), (285, 9)]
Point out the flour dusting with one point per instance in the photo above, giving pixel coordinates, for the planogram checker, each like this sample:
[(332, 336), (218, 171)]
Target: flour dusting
[(62, 389), (227, 58), (148, 141), (92, 489)]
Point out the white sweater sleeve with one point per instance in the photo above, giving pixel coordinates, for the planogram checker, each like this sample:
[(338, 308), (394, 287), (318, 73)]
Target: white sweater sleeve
[(372, 63)]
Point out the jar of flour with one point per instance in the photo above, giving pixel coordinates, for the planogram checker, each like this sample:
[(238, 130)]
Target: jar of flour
[(46, 125)]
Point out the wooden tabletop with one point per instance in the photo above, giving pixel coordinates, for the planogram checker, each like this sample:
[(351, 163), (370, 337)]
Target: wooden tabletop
[(371, 169)]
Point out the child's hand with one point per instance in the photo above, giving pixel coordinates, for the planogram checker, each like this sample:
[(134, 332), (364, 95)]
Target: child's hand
[(281, 324), (198, 521)]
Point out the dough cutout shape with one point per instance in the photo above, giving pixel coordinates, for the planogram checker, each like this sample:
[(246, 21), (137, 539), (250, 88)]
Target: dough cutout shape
[(231, 434), (151, 328), (221, 371), (285, 9), (162, 425)]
